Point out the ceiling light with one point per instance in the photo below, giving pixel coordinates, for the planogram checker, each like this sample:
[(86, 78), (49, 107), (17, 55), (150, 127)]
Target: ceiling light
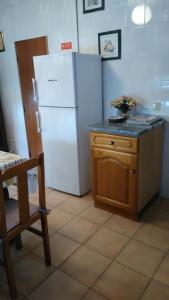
[(141, 14)]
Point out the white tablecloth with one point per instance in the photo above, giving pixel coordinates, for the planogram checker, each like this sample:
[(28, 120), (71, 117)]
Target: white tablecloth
[(8, 160)]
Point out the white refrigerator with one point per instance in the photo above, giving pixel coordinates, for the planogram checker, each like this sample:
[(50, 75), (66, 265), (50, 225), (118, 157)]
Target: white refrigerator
[(68, 89)]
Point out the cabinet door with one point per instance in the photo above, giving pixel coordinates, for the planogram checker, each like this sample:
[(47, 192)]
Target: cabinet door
[(115, 178)]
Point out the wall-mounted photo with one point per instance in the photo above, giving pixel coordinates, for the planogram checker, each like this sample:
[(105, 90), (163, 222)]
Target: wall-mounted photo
[(110, 44), (2, 47), (92, 5)]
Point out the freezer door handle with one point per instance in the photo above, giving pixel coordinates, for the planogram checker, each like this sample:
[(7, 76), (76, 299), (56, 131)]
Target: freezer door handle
[(38, 122), (35, 90)]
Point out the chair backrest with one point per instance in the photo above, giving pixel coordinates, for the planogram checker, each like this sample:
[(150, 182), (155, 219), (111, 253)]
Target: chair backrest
[(20, 172)]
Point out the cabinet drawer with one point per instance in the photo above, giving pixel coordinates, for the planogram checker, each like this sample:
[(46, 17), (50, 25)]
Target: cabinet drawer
[(114, 142)]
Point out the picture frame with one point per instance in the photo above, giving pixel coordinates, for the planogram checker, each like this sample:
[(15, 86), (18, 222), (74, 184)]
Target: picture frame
[(92, 5), (2, 47), (109, 44)]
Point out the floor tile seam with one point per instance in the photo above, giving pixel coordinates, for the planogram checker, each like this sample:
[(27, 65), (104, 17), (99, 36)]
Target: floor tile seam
[(34, 254), (132, 269), (25, 295), (95, 222), (159, 264), (157, 281), (55, 230), (57, 267), (70, 275), (40, 283), (101, 274), (130, 237), (21, 256), (85, 239), (145, 289), (43, 259), (81, 245), (57, 204), (129, 240), (153, 247), (77, 214), (93, 291), (97, 252), (156, 225), (161, 226), (92, 285), (152, 279)]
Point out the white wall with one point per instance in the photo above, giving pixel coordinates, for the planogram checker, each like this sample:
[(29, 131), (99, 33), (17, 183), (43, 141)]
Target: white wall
[(24, 19), (142, 72)]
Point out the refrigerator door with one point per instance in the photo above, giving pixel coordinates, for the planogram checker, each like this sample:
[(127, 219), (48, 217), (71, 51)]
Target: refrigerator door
[(59, 138), (54, 82)]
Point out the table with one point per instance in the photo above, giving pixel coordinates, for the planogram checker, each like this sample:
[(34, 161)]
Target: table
[(8, 160)]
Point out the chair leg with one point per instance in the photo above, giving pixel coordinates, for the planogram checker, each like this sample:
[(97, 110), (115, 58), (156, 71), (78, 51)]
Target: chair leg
[(45, 239), (18, 242), (9, 269)]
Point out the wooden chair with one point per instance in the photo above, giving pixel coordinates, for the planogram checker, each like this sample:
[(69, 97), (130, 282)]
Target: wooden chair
[(18, 215)]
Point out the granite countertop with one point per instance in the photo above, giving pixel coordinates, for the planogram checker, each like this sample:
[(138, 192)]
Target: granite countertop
[(123, 128)]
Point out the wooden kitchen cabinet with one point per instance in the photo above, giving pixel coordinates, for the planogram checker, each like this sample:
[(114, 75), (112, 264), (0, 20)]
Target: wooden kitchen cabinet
[(126, 170)]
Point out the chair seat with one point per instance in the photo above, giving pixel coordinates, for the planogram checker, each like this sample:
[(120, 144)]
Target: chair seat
[(12, 212)]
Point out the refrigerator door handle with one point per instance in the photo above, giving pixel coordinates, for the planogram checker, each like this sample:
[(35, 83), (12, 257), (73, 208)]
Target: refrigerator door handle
[(35, 92), (38, 121)]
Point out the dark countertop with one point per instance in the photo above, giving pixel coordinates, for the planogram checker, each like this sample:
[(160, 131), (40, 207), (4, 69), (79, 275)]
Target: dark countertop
[(123, 128)]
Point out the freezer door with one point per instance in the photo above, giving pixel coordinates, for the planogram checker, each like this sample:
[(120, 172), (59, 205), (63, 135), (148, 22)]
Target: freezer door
[(59, 138), (54, 75)]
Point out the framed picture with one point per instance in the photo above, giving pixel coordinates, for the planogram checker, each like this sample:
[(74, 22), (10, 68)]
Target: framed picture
[(92, 5), (2, 48), (110, 44)]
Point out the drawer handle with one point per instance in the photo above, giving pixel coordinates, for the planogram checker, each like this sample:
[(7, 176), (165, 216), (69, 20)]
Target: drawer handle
[(132, 171)]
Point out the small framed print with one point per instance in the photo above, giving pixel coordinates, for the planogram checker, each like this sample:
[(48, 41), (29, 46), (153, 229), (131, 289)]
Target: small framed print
[(2, 47), (92, 5), (110, 44)]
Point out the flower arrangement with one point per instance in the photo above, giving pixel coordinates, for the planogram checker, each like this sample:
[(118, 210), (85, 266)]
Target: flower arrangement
[(124, 104)]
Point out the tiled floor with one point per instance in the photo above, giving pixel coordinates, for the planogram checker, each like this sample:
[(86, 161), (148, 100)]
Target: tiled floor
[(96, 255)]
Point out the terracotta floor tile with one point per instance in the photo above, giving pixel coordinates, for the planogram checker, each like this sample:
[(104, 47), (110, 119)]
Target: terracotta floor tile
[(88, 197), (162, 273), (29, 272), (61, 248), (156, 291), (85, 265), (30, 240), (58, 218), (92, 295), (107, 242), (59, 286), (121, 283), (17, 254), (74, 205), (96, 215), (153, 235), (79, 229), (159, 217), (54, 198), (123, 225), (140, 257), (4, 292)]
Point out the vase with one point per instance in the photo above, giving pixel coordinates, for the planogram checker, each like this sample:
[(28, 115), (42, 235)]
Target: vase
[(125, 114)]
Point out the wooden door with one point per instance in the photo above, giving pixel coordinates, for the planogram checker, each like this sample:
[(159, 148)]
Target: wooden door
[(25, 50), (114, 178)]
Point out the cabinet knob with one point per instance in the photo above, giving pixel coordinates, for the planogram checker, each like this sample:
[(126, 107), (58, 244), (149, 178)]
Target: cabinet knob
[(132, 171)]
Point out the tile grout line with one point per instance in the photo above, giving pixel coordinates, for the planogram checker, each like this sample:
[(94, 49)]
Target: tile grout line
[(151, 278)]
